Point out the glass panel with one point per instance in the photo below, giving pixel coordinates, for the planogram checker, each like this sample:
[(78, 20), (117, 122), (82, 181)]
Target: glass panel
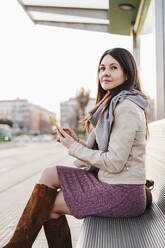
[(65, 18), (148, 62), (102, 4)]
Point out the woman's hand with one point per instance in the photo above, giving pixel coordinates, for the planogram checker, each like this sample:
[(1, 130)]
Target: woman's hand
[(67, 140), (71, 133)]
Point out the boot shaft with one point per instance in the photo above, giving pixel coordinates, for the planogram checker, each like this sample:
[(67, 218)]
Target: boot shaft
[(57, 233), (33, 217)]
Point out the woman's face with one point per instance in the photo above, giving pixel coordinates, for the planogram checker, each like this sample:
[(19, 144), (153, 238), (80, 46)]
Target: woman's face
[(111, 73)]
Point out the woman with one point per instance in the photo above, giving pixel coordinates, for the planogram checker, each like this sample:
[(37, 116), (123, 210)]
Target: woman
[(112, 181)]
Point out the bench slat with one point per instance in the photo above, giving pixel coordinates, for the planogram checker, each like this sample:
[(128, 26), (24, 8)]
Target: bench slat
[(139, 232)]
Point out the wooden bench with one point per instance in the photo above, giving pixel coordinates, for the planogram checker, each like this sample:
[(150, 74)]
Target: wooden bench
[(145, 231)]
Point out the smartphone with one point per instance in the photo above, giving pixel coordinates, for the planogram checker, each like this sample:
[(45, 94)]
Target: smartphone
[(55, 124)]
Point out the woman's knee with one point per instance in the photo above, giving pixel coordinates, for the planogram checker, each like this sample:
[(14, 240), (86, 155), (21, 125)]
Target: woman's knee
[(48, 172), (50, 176)]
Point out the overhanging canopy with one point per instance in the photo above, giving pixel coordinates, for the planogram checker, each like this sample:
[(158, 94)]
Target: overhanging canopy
[(93, 15)]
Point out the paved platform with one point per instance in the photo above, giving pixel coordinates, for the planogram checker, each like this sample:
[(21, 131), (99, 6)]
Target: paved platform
[(20, 168)]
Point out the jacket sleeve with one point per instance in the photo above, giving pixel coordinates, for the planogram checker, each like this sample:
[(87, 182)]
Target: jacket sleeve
[(126, 123), (79, 163), (82, 142)]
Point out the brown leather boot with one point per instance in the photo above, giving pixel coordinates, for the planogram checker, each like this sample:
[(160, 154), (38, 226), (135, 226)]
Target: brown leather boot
[(58, 233), (34, 215)]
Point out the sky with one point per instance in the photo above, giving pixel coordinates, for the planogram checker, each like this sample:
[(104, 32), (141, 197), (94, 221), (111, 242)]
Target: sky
[(47, 65)]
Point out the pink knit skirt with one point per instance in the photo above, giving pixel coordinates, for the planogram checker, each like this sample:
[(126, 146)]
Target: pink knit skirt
[(86, 195)]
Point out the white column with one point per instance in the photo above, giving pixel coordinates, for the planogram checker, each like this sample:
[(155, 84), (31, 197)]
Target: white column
[(159, 33), (136, 49)]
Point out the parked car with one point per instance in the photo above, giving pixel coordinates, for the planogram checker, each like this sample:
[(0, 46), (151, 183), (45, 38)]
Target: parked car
[(42, 138), (5, 132), (22, 138)]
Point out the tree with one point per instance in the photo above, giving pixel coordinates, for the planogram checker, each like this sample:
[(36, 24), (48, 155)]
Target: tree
[(82, 98), (6, 121)]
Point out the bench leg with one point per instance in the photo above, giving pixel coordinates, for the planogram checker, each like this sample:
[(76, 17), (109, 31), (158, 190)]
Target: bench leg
[(57, 233), (148, 198)]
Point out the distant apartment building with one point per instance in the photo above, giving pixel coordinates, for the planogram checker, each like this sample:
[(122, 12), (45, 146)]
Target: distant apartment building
[(70, 112), (26, 117)]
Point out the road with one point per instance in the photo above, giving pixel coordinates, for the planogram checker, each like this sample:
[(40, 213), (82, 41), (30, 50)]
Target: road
[(20, 168)]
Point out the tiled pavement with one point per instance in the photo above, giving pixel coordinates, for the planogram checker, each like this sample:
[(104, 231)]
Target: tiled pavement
[(12, 202)]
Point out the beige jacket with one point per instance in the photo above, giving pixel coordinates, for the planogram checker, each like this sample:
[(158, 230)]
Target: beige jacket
[(124, 162)]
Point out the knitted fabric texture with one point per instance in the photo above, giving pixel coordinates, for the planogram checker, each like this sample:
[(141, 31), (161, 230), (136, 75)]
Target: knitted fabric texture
[(86, 195)]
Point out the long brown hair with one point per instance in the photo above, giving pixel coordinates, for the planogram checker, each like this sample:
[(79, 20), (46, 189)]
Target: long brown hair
[(128, 64)]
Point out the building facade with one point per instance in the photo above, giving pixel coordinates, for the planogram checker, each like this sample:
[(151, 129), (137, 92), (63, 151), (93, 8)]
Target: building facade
[(70, 112), (26, 117)]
